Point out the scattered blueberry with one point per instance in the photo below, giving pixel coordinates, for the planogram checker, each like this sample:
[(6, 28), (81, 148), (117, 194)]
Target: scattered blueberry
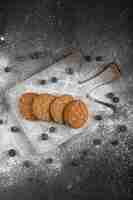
[(87, 95), (99, 58), (122, 128), (97, 142), (20, 58), (30, 179), (54, 79), (1, 121), (42, 82), (69, 70), (84, 153), (52, 129), (12, 152), (98, 117), (75, 162), (114, 142), (7, 69), (49, 160), (115, 99), (44, 136), (35, 55), (15, 129), (27, 163), (110, 95), (87, 58)]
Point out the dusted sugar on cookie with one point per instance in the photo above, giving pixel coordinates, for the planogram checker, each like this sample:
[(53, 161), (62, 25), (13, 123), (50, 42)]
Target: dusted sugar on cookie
[(76, 114), (25, 105), (41, 105), (57, 107)]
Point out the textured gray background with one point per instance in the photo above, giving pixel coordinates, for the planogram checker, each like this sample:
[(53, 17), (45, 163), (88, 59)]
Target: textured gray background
[(99, 28)]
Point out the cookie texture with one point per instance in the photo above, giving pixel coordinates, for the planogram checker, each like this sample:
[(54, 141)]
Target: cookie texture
[(57, 107), (41, 105), (76, 114), (25, 105)]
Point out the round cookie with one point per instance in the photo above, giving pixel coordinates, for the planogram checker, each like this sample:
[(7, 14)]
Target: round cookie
[(76, 114), (41, 106), (25, 105), (57, 107)]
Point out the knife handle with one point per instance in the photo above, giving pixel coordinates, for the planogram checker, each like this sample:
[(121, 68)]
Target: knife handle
[(106, 74)]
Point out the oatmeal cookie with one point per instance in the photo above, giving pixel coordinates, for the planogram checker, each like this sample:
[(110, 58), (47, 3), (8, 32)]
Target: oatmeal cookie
[(76, 114), (25, 105), (57, 107), (41, 105)]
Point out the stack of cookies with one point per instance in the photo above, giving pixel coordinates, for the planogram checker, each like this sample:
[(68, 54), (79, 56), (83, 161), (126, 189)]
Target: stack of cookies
[(62, 109)]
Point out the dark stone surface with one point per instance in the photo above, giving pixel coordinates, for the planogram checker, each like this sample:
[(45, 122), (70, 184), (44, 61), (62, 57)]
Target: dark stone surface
[(103, 176)]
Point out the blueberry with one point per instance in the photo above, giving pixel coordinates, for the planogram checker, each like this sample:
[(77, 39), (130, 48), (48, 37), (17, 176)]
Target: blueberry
[(87, 58), (99, 58), (27, 163), (1, 121), (69, 70), (122, 128), (97, 142), (98, 117), (42, 82), (20, 58), (7, 69), (84, 153), (54, 79), (110, 95), (12, 152), (75, 162), (114, 142), (87, 95), (44, 136), (49, 160), (115, 99), (15, 129), (52, 129), (35, 55)]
